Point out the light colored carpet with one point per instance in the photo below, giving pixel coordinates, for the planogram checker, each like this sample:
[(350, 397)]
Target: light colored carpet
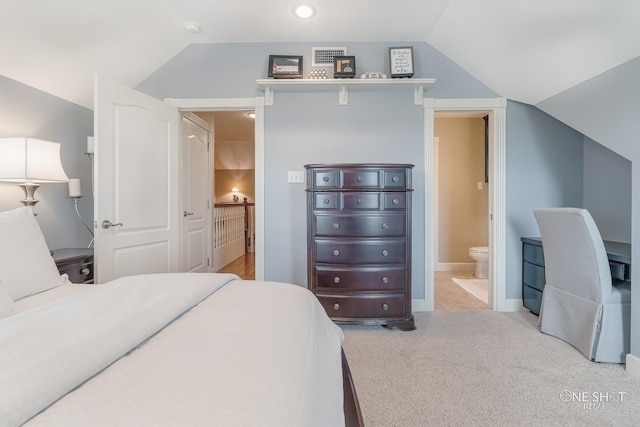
[(479, 288), (483, 368)]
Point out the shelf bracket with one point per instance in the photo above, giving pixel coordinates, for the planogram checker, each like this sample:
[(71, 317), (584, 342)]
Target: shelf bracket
[(268, 96), (343, 95), (418, 95)]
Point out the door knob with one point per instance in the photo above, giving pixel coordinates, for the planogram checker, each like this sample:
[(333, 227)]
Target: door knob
[(185, 213), (106, 224)]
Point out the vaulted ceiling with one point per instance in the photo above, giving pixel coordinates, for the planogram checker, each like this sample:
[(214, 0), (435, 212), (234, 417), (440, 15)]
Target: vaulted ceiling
[(523, 50)]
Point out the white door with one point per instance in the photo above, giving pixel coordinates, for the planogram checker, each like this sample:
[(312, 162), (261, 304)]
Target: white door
[(196, 193), (136, 205)]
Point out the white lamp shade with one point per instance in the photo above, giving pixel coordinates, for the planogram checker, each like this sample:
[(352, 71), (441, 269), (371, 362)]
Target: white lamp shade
[(31, 160)]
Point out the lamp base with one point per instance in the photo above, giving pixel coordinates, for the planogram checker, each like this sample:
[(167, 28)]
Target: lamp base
[(29, 189)]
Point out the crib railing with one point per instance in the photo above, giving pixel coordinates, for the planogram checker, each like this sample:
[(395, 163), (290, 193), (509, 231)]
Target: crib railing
[(233, 232)]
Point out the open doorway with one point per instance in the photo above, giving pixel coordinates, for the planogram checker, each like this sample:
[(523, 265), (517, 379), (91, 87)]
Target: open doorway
[(461, 210), (233, 233)]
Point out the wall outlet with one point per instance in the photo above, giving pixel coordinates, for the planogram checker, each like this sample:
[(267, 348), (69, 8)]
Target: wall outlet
[(296, 177)]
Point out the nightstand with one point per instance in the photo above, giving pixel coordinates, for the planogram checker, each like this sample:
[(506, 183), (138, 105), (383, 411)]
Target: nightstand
[(77, 263)]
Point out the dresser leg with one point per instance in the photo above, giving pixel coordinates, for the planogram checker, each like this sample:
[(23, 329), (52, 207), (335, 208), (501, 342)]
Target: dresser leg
[(407, 324)]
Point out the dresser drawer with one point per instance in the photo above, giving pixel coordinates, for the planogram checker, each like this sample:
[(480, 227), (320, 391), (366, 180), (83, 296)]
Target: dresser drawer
[(394, 178), (363, 306), (532, 299), (333, 279), (327, 201), (325, 178), (360, 251), (533, 275), (394, 201), (360, 178), (533, 254), (369, 201), (361, 225)]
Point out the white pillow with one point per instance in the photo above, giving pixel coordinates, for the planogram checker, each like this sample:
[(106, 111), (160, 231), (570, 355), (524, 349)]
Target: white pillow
[(6, 302), (26, 265)]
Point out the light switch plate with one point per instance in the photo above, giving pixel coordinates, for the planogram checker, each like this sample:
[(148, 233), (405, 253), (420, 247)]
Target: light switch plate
[(296, 177)]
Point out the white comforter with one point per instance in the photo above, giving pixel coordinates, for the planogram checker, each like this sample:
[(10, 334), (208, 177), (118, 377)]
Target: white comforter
[(253, 353)]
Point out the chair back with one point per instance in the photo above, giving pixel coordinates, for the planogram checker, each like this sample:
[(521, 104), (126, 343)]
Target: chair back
[(574, 254)]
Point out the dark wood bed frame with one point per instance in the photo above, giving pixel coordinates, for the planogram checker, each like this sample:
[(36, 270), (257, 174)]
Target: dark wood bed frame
[(352, 413)]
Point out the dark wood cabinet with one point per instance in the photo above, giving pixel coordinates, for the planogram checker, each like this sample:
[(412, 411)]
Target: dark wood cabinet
[(77, 263), (359, 242)]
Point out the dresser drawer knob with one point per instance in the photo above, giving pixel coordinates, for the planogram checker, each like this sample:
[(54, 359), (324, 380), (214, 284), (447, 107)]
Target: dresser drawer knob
[(326, 201), (385, 307), (336, 225), (385, 252), (336, 280), (394, 179), (359, 201), (359, 178), (395, 201), (385, 279), (325, 178), (336, 252), (336, 306), (385, 225), (85, 271)]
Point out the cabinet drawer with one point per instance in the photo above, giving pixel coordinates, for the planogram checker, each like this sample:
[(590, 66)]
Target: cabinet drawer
[(395, 201), (394, 178), (360, 251), (363, 306), (332, 279), (369, 201), (533, 253), (325, 201), (78, 272), (352, 178), (361, 225), (531, 299), (533, 275), (325, 178)]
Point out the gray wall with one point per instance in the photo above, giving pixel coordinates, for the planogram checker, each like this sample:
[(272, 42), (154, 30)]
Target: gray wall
[(606, 109), (544, 168), (25, 111)]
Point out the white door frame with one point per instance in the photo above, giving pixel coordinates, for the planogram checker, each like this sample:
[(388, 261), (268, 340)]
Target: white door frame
[(229, 104), (496, 107)]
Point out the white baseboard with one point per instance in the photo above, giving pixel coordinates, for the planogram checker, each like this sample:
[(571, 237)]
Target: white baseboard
[(418, 305), (510, 305), (455, 266), (633, 365)]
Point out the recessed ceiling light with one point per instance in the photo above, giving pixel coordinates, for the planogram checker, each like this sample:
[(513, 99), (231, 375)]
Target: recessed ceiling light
[(304, 11)]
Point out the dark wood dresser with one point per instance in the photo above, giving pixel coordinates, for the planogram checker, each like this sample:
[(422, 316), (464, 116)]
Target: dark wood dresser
[(359, 242)]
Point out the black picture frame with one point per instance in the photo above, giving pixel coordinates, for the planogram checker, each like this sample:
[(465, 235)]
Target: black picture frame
[(401, 61), (344, 67), (285, 66)]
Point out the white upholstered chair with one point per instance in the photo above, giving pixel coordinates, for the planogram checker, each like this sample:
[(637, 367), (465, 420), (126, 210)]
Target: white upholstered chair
[(579, 303)]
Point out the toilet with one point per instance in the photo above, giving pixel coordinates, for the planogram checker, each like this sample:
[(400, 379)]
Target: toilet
[(480, 254)]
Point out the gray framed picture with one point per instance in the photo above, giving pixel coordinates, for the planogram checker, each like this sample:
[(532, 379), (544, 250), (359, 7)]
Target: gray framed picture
[(285, 66), (401, 61)]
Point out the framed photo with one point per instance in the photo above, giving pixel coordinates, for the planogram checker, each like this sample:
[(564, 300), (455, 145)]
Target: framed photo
[(344, 67), (401, 61), (285, 66)]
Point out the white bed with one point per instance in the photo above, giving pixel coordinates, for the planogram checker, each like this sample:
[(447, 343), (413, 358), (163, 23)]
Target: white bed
[(169, 349)]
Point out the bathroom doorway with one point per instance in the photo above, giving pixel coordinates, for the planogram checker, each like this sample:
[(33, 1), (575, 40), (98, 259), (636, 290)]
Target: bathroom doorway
[(461, 210)]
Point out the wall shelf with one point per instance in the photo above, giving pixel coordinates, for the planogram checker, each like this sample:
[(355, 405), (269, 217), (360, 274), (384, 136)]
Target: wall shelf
[(343, 86)]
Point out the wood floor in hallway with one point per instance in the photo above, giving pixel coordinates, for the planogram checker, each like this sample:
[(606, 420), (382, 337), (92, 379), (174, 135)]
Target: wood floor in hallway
[(448, 295)]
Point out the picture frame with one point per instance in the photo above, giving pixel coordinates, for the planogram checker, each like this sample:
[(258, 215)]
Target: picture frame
[(344, 67), (401, 61), (285, 66)]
